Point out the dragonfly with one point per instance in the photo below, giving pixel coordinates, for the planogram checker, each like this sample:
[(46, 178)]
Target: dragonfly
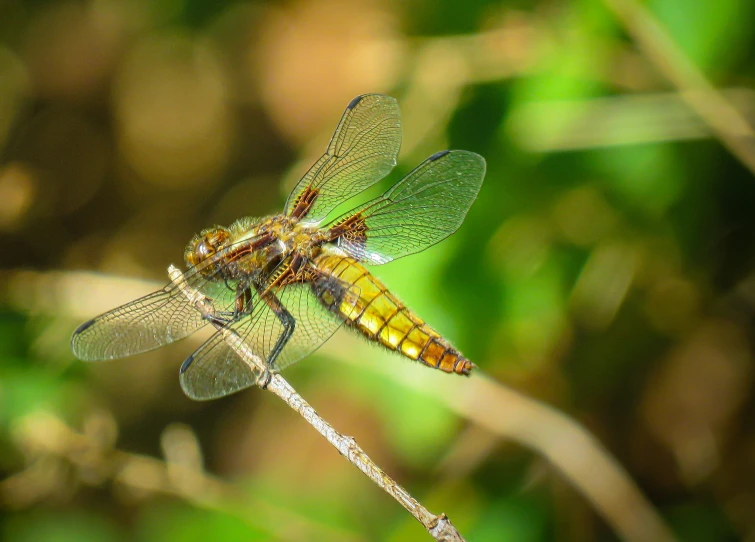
[(284, 284)]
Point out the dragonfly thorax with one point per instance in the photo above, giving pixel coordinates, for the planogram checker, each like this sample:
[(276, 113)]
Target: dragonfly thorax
[(293, 236)]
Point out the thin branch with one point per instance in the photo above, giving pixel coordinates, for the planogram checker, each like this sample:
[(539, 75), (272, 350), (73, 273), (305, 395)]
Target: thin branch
[(713, 108), (439, 527), (563, 441)]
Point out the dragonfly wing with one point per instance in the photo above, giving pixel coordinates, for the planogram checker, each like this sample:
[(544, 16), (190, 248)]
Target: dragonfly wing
[(318, 309), (144, 324), (362, 151), (425, 207), (149, 322), (215, 370)]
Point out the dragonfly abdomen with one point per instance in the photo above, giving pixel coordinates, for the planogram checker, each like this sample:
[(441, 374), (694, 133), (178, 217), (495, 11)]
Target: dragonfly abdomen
[(381, 317)]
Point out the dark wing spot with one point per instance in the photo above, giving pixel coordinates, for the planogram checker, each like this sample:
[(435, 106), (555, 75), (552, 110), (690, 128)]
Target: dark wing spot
[(352, 228), (83, 327), (353, 103), (304, 202), (437, 155), (185, 365)]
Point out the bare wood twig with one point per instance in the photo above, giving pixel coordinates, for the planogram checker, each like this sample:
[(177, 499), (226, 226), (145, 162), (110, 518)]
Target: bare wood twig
[(439, 526)]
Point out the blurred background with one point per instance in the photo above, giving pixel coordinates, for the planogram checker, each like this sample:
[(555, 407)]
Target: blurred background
[(604, 281)]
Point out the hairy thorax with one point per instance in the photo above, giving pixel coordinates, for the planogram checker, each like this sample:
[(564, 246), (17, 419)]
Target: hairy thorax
[(295, 237), (252, 246)]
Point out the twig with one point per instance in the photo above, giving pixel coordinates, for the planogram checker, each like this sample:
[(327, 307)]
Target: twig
[(563, 441), (713, 108), (439, 527)]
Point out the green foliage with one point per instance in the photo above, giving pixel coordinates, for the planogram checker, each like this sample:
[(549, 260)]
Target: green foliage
[(61, 526), (515, 519), (183, 523), (714, 35)]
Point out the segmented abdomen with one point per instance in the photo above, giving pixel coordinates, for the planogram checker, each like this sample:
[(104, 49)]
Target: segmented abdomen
[(381, 317)]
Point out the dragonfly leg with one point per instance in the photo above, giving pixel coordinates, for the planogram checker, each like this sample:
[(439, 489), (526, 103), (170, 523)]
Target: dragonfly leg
[(286, 319), (264, 378), (243, 305), (217, 320)]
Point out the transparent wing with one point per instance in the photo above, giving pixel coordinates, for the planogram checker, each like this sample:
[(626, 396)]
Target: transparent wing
[(425, 207), (318, 309), (154, 320), (362, 151)]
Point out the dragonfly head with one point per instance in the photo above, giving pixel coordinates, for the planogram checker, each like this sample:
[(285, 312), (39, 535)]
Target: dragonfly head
[(205, 245)]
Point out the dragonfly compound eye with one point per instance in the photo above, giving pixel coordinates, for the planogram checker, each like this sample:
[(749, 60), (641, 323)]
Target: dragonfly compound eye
[(205, 245)]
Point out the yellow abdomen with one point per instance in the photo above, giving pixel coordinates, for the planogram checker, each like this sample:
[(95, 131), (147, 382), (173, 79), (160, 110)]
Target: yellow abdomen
[(381, 317)]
